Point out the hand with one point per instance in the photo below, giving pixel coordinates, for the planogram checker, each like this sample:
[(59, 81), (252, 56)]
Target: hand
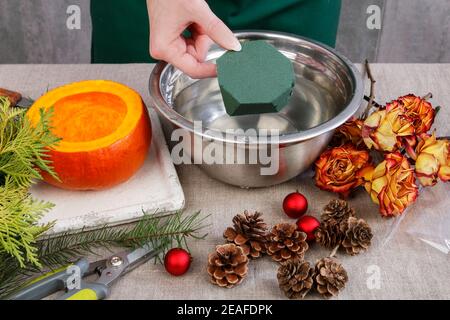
[(168, 20)]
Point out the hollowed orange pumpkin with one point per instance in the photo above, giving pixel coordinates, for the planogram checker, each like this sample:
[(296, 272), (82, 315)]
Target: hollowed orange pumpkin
[(105, 131)]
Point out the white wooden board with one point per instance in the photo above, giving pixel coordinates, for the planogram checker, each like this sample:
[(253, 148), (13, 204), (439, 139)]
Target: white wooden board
[(154, 189)]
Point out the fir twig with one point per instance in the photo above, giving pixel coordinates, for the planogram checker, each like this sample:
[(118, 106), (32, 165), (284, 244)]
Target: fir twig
[(11, 275), (164, 232), (60, 250)]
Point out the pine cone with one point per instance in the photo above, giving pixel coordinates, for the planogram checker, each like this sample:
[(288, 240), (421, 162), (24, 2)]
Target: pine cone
[(249, 231), (295, 278), (228, 265), (328, 235), (337, 211), (330, 277), (286, 242), (357, 235)]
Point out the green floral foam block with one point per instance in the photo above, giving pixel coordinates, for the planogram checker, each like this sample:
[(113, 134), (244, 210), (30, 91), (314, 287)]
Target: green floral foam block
[(257, 79)]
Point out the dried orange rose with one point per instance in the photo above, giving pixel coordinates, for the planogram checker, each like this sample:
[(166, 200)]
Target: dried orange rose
[(432, 160), (341, 169), (349, 132), (420, 111), (388, 129), (391, 185)]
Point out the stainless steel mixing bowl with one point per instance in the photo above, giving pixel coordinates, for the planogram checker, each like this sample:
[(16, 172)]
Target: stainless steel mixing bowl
[(328, 91)]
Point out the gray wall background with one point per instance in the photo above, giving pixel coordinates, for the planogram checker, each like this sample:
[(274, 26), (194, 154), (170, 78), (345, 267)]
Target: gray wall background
[(34, 31)]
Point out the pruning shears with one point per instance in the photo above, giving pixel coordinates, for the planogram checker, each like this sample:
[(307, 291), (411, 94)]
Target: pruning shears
[(71, 278)]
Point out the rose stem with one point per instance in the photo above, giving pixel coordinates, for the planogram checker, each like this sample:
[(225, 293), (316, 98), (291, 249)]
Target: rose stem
[(374, 103), (427, 96), (333, 253), (372, 89)]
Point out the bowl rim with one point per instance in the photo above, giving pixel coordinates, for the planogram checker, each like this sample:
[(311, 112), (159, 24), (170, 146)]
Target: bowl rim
[(352, 107)]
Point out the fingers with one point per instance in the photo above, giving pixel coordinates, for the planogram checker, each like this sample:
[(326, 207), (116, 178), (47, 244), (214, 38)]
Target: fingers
[(188, 55), (197, 70), (216, 29), (198, 46), (189, 64)]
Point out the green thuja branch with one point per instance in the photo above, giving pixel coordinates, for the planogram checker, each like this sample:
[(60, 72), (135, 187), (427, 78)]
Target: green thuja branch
[(23, 156), (23, 147), (19, 229)]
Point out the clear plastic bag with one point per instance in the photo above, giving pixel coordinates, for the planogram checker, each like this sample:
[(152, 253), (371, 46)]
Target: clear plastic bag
[(428, 220)]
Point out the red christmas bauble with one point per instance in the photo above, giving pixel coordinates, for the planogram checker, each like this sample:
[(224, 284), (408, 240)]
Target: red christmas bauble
[(177, 261), (308, 225), (295, 205)]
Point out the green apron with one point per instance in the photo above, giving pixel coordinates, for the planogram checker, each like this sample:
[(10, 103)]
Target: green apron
[(121, 34)]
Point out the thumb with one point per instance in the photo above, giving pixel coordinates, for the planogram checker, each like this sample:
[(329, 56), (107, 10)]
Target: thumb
[(217, 30)]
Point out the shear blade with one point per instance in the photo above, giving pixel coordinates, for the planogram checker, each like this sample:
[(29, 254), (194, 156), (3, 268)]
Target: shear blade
[(140, 256)]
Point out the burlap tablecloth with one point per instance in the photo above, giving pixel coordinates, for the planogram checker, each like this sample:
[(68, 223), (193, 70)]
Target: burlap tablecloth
[(408, 268)]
